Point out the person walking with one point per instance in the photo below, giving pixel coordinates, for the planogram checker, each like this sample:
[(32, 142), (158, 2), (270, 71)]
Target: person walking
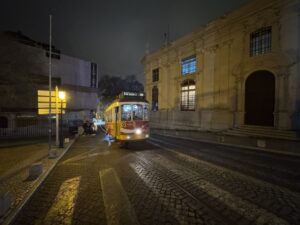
[(108, 138)]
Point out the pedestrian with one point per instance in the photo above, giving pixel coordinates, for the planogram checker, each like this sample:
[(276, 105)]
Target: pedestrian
[(108, 138)]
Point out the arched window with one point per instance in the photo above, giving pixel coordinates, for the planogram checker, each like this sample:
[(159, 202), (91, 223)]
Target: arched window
[(188, 95), (3, 122), (154, 99)]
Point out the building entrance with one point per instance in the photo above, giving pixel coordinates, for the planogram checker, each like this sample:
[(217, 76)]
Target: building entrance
[(260, 98)]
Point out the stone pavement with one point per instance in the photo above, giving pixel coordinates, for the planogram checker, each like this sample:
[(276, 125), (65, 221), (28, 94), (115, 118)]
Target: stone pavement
[(16, 157), (166, 181)]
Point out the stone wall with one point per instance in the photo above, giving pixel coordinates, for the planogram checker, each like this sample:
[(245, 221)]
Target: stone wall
[(222, 50)]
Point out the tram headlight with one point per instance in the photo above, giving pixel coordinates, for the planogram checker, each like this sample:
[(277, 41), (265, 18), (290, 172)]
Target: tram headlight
[(138, 131), (128, 137)]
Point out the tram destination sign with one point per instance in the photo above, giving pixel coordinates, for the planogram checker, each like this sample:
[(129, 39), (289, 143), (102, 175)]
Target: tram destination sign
[(132, 94)]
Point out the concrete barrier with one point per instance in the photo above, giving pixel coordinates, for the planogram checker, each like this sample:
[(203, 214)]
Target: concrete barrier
[(53, 153), (5, 203), (35, 170)]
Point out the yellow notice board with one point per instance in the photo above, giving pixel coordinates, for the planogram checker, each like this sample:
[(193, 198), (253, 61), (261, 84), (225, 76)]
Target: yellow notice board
[(56, 103)]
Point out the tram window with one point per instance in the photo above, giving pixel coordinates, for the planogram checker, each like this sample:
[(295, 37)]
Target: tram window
[(137, 112), (109, 116), (146, 113), (126, 112)]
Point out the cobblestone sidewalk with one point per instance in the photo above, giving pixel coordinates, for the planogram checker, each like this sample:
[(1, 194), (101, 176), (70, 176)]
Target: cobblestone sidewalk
[(15, 161)]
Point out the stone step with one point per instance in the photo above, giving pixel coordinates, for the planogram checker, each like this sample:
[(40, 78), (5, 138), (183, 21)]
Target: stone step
[(261, 132), (264, 129)]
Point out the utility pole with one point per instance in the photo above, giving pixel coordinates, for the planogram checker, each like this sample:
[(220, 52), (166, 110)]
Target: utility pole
[(50, 84)]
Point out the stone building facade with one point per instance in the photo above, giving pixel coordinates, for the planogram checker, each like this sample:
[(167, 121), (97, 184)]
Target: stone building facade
[(241, 69), (24, 69)]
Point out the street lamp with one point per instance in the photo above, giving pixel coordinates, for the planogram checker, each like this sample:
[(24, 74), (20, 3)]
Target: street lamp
[(62, 97)]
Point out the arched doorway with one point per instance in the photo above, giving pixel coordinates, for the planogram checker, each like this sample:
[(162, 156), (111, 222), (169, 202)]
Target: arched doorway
[(260, 98)]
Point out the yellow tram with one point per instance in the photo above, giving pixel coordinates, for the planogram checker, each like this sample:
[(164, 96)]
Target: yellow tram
[(127, 118)]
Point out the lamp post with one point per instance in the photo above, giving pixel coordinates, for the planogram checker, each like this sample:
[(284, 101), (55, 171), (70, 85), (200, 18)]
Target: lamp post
[(62, 97)]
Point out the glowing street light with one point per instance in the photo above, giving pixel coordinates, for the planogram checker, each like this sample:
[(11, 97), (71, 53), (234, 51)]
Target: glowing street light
[(62, 97)]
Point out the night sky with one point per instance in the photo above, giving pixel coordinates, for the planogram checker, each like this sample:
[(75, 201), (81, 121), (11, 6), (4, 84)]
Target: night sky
[(112, 33)]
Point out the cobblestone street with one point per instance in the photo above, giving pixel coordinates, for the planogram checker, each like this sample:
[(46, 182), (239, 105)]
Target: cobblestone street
[(167, 181)]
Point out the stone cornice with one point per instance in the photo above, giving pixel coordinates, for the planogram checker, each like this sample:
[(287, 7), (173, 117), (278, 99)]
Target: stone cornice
[(239, 16)]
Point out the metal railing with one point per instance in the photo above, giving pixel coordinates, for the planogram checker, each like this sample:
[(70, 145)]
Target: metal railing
[(37, 127)]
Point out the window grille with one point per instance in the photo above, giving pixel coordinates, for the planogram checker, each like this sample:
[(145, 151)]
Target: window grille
[(261, 41), (155, 75), (188, 95), (188, 65)]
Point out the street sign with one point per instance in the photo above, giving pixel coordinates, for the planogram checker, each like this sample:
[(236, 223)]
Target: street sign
[(56, 103)]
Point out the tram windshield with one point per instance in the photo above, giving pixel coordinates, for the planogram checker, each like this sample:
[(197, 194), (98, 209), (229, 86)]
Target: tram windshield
[(126, 112), (134, 112), (146, 113), (137, 112)]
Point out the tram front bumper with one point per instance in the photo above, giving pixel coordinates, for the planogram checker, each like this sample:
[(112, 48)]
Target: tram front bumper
[(133, 137)]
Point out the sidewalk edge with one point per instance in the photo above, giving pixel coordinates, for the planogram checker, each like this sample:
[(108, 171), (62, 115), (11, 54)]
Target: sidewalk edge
[(12, 217)]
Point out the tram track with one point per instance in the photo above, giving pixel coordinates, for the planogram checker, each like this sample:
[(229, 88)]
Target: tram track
[(209, 213), (282, 177), (261, 193)]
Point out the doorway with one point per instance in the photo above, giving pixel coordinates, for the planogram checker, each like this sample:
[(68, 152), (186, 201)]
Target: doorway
[(260, 99)]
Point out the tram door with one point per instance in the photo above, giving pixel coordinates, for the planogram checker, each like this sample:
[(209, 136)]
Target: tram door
[(117, 122)]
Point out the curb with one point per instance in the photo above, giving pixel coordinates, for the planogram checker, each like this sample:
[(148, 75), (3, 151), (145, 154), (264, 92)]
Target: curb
[(11, 218), (235, 145)]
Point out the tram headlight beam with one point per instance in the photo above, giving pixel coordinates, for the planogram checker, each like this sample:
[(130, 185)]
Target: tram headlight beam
[(138, 131)]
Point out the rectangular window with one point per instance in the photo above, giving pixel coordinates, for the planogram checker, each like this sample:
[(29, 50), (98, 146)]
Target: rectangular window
[(137, 112), (108, 116), (146, 112), (261, 41), (126, 111), (188, 65), (188, 96), (93, 75), (155, 75)]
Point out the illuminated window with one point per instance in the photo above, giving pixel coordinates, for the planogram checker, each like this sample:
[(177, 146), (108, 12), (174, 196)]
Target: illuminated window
[(188, 95), (188, 65), (261, 41), (126, 111), (137, 112), (108, 116), (155, 75), (146, 113), (154, 99)]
